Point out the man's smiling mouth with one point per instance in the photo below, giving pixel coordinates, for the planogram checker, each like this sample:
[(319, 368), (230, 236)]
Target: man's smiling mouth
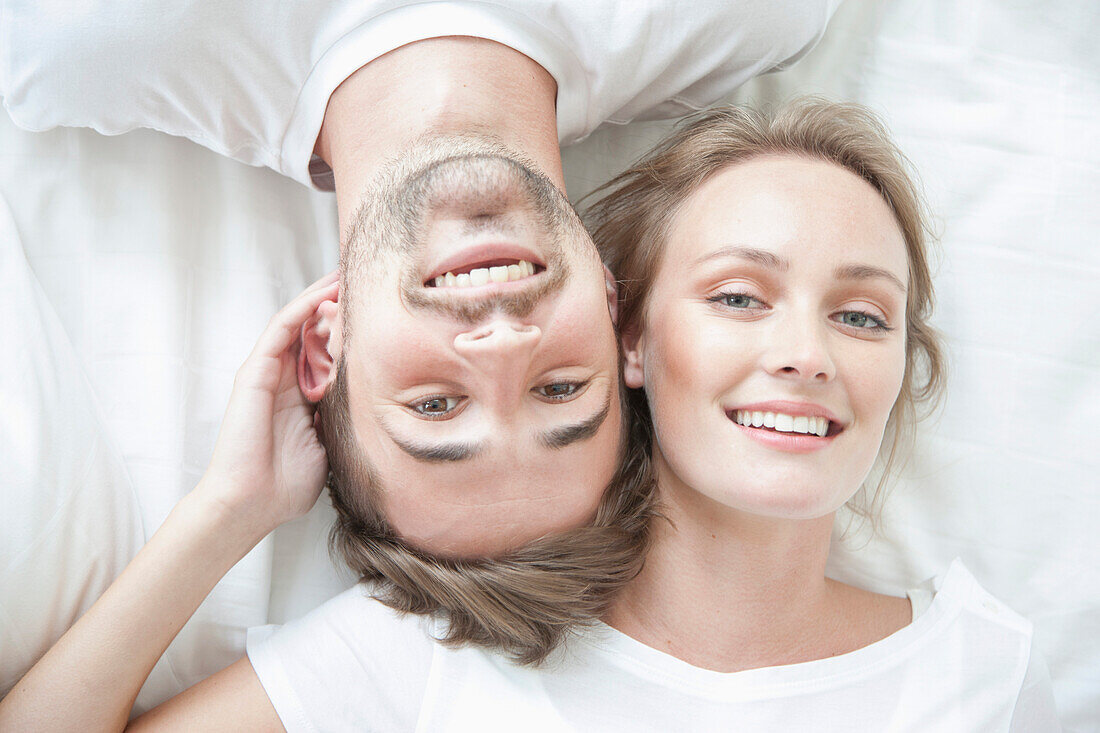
[(497, 271)]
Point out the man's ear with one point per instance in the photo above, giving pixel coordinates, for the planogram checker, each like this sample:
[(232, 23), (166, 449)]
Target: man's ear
[(633, 357), (322, 339), (612, 294)]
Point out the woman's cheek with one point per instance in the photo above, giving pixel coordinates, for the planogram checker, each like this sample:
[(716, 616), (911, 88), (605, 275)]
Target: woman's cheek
[(876, 381)]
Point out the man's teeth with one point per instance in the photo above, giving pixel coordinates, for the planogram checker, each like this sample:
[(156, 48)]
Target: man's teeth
[(782, 423), (484, 275)]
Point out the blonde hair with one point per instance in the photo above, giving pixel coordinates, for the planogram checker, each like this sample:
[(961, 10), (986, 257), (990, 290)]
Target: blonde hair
[(631, 219)]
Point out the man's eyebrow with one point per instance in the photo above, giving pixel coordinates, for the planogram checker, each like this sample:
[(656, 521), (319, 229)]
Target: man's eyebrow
[(436, 452), (759, 256), (568, 434), (867, 272)]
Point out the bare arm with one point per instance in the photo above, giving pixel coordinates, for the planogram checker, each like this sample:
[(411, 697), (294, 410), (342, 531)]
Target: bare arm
[(94, 672), (234, 694), (268, 467)]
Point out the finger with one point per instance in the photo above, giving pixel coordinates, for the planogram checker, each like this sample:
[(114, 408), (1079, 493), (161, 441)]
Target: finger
[(285, 326)]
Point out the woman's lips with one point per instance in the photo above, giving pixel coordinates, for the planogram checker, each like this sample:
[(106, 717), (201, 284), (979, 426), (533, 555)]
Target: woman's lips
[(794, 427), (781, 422), (790, 442)]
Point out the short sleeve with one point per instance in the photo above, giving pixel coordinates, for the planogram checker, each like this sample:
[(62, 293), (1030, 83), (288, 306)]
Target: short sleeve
[(352, 664), (1035, 709), (251, 79)]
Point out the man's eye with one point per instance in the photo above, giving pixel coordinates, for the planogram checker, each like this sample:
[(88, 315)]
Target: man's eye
[(559, 390), (436, 406)]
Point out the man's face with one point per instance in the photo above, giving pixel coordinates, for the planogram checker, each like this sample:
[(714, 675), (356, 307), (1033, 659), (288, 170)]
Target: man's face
[(481, 356)]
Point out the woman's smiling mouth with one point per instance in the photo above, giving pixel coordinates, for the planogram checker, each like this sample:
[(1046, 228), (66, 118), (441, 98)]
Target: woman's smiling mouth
[(781, 422), (787, 426)]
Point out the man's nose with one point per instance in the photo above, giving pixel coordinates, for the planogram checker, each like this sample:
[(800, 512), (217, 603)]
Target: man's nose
[(503, 348)]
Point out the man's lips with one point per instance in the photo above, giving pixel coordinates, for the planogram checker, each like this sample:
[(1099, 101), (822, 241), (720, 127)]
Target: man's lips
[(486, 257)]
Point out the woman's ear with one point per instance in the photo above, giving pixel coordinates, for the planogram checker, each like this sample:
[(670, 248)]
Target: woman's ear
[(612, 294), (633, 357), (322, 339)]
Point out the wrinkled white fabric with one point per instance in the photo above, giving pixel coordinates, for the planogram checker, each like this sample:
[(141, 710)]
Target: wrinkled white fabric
[(163, 261), (160, 263), (70, 516), (251, 79)]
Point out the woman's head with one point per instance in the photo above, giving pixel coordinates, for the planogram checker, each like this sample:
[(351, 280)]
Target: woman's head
[(773, 263)]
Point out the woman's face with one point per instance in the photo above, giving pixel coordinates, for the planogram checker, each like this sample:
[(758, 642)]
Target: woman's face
[(774, 341)]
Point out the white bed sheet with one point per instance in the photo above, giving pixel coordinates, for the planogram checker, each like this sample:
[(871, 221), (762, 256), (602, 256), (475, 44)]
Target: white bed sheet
[(161, 263), (77, 524)]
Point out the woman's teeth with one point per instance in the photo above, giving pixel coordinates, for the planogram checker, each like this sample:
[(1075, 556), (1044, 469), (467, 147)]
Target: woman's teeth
[(485, 275), (782, 423)]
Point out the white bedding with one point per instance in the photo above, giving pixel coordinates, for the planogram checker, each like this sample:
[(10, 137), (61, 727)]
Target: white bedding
[(159, 263)]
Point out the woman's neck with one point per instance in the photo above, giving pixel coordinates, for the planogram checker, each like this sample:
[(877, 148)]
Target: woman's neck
[(728, 591)]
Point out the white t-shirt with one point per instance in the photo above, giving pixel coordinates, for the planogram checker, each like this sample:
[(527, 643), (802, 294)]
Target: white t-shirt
[(250, 79), (965, 664)]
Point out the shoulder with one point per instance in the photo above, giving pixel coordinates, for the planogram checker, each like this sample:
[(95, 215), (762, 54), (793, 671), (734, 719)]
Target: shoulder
[(353, 654), (657, 61), (957, 589), (970, 631), (997, 645), (353, 625)]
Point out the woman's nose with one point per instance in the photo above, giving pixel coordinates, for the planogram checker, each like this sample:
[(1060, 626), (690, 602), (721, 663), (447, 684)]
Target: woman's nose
[(799, 349)]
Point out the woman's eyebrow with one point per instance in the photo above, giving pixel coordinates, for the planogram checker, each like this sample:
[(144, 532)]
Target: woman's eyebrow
[(759, 256), (868, 272)]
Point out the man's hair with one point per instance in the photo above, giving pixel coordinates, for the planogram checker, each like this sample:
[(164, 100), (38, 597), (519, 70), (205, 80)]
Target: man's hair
[(630, 223), (520, 604)]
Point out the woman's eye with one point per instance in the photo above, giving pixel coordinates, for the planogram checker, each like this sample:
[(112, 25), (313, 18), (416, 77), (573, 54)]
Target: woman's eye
[(737, 300), (559, 390), (438, 406), (858, 319)]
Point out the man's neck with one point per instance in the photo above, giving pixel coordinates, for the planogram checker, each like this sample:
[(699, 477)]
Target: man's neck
[(454, 85)]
